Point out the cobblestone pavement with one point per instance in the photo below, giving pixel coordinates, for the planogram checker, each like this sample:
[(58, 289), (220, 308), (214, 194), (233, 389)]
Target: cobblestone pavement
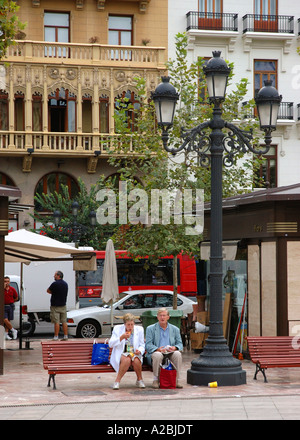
[(24, 394)]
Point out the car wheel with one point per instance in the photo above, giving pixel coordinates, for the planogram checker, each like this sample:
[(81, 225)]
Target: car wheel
[(88, 329), (28, 328)]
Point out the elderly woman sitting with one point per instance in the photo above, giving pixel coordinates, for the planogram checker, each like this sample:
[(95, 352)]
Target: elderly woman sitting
[(128, 344)]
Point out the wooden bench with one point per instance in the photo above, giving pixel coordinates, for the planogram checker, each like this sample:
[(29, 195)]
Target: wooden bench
[(273, 352), (73, 356)]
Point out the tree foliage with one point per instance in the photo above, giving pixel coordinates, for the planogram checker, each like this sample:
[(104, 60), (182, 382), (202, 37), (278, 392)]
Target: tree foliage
[(139, 160), (95, 237), (193, 108), (10, 25)]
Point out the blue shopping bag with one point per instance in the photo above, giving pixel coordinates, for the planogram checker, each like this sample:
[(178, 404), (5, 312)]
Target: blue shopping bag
[(100, 353)]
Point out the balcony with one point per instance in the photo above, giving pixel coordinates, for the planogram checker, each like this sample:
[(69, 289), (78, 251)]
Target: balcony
[(277, 29), (45, 144), (286, 111), (62, 143), (211, 21), (298, 27), (298, 120), (212, 25), (86, 54), (285, 117), (281, 24), (37, 71)]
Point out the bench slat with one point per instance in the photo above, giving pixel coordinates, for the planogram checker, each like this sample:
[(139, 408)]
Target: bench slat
[(74, 356), (273, 351)]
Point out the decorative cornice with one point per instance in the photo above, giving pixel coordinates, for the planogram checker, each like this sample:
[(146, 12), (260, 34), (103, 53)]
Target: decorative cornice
[(92, 164), (27, 162), (143, 4), (79, 4), (100, 5)]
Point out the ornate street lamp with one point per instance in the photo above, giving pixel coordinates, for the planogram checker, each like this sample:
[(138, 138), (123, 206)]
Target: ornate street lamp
[(165, 99), (216, 72), (76, 228), (268, 103), (216, 363), (56, 217)]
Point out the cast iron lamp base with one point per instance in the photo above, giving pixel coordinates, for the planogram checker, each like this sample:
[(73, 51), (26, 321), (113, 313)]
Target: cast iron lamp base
[(216, 364)]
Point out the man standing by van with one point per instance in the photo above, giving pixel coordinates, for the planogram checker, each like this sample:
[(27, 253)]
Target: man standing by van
[(10, 297), (58, 309)]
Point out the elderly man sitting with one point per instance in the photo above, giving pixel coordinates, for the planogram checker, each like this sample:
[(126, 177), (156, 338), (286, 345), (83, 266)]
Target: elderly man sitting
[(159, 336)]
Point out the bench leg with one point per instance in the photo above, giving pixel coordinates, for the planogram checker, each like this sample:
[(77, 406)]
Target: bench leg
[(258, 368), (52, 376)]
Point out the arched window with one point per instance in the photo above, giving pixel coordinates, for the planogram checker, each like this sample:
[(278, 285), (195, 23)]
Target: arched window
[(62, 111), (53, 182), (87, 114), (6, 180), (19, 111), (37, 112), (104, 114), (3, 110)]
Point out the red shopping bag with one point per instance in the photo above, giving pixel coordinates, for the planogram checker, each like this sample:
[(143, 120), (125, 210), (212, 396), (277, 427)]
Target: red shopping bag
[(167, 378)]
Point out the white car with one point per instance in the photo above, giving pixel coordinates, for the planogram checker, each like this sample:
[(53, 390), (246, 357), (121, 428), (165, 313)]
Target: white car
[(91, 322)]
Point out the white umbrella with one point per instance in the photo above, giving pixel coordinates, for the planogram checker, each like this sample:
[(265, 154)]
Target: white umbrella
[(110, 287)]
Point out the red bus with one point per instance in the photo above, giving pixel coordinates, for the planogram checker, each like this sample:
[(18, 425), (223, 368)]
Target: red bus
[(133, 275)]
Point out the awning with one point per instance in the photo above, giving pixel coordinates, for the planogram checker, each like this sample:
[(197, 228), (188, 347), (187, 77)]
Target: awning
[(229, 249), (24, 246)]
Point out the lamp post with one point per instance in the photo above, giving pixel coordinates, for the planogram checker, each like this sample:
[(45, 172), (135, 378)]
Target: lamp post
[(216, 363), (76, 228)]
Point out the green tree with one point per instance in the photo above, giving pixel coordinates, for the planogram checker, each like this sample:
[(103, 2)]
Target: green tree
[(89, 236), (161, 171), (10, 25), (193, 108), (141, 162)]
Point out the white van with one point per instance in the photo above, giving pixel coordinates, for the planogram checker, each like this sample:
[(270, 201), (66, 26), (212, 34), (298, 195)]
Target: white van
[(15, 283), (37, 277)]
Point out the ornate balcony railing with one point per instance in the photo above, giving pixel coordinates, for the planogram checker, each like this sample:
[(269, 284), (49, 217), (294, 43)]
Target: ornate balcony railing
[(286, 111), (298, 112), (212, 21), (268, 23), (85, 54), (15, 142)]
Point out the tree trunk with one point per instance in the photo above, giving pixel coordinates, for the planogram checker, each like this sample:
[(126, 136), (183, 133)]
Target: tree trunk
[(175, 283)]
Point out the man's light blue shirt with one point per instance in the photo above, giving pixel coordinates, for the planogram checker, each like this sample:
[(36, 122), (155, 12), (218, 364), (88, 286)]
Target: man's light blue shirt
[(164, 336)]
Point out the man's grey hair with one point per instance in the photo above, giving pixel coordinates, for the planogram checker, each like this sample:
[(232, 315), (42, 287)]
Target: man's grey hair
[(163, 309), (60, 274)]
